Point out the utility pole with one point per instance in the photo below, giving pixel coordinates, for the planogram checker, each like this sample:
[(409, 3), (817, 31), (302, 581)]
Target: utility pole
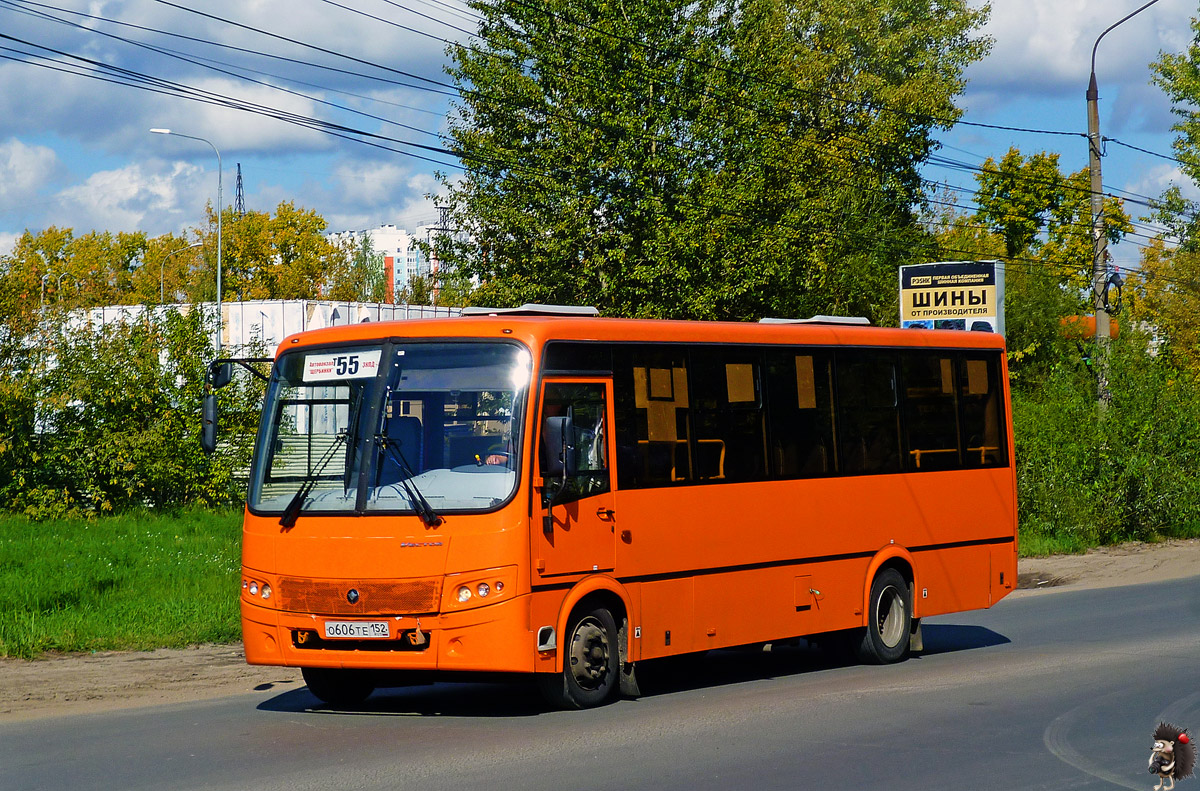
[(1099, 242)]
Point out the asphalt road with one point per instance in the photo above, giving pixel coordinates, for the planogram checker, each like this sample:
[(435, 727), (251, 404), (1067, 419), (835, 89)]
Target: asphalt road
[(1058, 690)]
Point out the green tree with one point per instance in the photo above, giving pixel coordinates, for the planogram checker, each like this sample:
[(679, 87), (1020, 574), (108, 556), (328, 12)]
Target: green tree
[(1165, 293), (719, 159), (1038, 222), (106, 418), (1018, 195), (1178, 75), (284, 256), (360, 274), (420, 290)]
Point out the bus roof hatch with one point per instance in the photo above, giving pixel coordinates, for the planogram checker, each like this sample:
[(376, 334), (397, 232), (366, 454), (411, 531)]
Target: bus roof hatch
[(531, 309), (861, 320)]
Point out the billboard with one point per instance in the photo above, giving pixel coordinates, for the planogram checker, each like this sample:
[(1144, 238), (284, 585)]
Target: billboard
[(953, 295)]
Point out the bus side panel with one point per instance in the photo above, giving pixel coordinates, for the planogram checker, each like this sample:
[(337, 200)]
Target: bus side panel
[(760, 605), (1004, 571), (749, 544), (667, 617), (951, 580)]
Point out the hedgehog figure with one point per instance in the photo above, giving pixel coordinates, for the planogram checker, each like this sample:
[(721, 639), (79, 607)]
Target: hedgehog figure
[(1173, 756)]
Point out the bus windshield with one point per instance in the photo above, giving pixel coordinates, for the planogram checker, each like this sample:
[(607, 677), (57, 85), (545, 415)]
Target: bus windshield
[(410, 427)]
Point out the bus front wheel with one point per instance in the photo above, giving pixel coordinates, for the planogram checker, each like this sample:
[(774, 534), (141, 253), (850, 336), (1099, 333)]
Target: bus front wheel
[(338, 687), (591, 662), (889, 620)]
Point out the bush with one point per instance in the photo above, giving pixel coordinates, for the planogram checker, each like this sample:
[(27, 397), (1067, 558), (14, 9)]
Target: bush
[(1096, 475), (106, 418)]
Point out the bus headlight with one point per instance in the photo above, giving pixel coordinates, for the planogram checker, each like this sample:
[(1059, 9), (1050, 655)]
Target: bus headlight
[(477, 588), (257, 589)]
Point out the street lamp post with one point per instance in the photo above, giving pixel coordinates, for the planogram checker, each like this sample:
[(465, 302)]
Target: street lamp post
[(218, 153), (162, 268), (1099, 243), (43, 307)]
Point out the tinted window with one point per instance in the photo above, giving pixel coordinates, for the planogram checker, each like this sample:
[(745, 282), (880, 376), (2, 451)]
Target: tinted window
[(727, 414), (981, 393), (655, 421), (566, 356), (799, 392), (868, 417), (586, 405), (930, 411)]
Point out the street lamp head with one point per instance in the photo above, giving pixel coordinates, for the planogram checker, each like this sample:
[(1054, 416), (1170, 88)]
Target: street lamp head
[(161, 131)]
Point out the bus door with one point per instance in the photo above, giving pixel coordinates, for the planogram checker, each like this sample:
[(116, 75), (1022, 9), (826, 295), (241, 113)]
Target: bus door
[(574, 531)]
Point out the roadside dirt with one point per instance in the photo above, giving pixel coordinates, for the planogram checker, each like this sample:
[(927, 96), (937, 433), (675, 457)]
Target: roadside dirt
[(78, 683)]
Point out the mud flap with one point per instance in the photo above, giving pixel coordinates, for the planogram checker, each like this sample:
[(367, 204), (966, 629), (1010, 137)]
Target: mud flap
[(628, 674), (915, 643)]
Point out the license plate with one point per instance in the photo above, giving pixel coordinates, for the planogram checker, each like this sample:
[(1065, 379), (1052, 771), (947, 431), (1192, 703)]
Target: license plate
[(357, 630)]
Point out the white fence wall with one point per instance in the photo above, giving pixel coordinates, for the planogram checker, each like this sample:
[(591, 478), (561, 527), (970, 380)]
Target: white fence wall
[(269, 321)]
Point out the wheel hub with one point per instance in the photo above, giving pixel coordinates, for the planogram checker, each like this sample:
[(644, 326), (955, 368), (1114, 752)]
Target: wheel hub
[(589, 654), (891, 612)]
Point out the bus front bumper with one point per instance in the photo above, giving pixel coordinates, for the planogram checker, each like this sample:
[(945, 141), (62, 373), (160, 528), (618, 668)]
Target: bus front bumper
[(491, 638)]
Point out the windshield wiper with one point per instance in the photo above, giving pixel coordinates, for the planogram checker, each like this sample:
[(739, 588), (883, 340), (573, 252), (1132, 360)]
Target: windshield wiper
[(419, 503), (297, 503)]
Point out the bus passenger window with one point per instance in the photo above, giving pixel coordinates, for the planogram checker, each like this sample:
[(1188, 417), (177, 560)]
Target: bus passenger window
[(868, 416), (981, 393), (930, 411), (799, 396), (730, 440), (653, 420)]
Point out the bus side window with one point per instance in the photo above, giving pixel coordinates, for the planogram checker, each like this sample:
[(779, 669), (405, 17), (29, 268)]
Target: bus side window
[(981, 392), (587, 407), (727, 412), (930, 411), (868, 413), (653, 416), (799, 395)]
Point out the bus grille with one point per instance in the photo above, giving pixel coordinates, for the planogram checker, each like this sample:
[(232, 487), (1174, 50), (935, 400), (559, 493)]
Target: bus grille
[(401, 597)]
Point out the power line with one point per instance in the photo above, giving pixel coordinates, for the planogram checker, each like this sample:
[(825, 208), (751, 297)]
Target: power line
[(321, 125), (108, 73), (226, 71), (16, 5)]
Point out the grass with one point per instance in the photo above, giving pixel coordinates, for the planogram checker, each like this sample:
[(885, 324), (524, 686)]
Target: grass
[(166, 580), (138, 581), (1040, 544)]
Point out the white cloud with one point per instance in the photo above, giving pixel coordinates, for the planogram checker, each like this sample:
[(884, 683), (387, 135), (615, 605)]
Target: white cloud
[(1047, 44), (136, 198), (367, 183), (1043, 48), (1156, 179), (23, 170), (8, 242)]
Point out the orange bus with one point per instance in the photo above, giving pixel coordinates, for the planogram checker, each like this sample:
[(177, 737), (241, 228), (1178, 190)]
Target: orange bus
[(567, 495)]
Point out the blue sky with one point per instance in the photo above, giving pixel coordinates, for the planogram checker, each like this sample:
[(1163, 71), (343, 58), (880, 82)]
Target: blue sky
[(76, 152)]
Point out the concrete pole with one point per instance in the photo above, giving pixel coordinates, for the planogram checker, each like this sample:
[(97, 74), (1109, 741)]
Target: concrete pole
[(1099, 242)]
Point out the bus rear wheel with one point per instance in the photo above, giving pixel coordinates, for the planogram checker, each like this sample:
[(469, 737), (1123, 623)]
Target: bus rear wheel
[(591, 663), (889, 620), (337, 687)]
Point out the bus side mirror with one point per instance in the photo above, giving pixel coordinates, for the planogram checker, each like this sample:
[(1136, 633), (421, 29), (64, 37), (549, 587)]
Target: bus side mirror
[(208, 427), (559, 448), (557, 435), (219, 375)]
